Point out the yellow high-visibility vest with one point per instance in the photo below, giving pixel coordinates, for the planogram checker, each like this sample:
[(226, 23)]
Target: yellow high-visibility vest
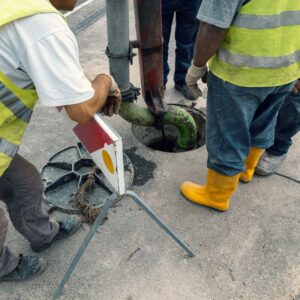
[(16, 104), (262, 47)]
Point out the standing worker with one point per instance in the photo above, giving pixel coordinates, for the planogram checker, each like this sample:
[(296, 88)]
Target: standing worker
[(186, 30), (254, 64), (287, 126), (38, 60)]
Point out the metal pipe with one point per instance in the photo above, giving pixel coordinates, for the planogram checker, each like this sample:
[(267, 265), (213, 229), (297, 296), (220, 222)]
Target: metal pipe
[(117, 12), (149, 33), (148, 19)]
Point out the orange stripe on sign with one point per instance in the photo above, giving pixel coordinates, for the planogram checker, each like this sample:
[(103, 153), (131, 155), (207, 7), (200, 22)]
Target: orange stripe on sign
[(108, 162)]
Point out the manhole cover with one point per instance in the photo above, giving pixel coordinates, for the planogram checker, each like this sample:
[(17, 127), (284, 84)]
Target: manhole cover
[(153, 138), (67, 170)]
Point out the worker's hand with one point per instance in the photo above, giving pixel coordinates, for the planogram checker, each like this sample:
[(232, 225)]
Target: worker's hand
[(113, 104), (296, 88), (194, 74), (114, 99)]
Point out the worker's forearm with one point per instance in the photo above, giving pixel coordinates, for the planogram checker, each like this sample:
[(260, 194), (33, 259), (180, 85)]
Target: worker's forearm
[(84, 111), (208, 41), (101, 84)]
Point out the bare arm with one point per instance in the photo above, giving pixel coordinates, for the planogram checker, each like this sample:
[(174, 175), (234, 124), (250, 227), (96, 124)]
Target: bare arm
[(82, 112), (208, 41)]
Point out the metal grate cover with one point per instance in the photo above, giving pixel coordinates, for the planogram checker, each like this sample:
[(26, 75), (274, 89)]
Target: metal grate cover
[(67, 170)]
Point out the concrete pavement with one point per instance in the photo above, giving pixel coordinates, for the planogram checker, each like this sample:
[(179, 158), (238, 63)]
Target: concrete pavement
[(250, 252)]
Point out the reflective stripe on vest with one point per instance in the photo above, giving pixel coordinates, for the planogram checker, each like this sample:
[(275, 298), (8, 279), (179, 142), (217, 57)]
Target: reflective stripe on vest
[(258, 61), (15, 112), (16, 103), (8, 148), (288, 18), (260, 48)]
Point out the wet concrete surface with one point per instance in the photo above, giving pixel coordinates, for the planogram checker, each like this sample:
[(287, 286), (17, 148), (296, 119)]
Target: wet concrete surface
[(250, 252)]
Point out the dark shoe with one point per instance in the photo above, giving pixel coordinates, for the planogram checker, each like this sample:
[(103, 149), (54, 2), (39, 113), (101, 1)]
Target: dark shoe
[(28, 268), (191, 93), (67, 226), (269, 164)]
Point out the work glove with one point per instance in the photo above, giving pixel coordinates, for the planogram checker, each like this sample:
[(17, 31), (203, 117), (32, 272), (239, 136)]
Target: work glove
[(192, 76), (114, 99)]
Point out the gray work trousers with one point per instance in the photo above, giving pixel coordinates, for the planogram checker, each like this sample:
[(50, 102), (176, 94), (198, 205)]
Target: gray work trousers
[(21, 189)]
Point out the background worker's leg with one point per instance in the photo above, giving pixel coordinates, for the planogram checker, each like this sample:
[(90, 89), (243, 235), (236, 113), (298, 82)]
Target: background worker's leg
[(262, 128), (230, 111), (24, 203), (186, 30), (288, 125), (216, 193), (250, 164), (8, 261), (167, 20), (239, 118)]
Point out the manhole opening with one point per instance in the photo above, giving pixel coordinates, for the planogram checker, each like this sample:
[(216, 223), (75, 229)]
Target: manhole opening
[(166, 142)]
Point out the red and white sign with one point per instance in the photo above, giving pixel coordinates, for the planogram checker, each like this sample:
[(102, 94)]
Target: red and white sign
[(106, 149)]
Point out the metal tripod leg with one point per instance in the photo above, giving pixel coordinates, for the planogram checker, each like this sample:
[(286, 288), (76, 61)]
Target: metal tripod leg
[(148, 210), (98, 222), (83, 246)]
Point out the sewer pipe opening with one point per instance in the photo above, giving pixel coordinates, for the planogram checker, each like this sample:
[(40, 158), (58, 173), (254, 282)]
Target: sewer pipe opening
[(165, 140)]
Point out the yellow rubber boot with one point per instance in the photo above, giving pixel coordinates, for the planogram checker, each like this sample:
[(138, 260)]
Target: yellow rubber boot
[(216, 193), (250, 164)]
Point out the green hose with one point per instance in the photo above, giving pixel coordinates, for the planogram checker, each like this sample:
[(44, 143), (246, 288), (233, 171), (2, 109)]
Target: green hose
[(186, 125), (180, 118), (136, 114)]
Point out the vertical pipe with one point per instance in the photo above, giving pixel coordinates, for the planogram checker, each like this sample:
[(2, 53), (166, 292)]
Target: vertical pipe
[(117, 13), (148, 16)]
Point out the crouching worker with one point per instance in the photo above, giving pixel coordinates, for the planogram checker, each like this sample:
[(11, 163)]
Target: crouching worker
[(249, 78), (38, 60)]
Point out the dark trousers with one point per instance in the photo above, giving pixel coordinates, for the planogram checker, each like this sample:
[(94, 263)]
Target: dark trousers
[(288, 125), (186, 29), (239, 118), (21, 189)]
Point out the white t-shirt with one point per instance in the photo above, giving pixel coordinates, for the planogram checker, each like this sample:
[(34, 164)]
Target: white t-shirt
[(42, 50)]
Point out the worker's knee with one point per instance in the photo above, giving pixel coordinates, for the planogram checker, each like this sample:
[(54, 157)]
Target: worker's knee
[(27, 168), (24, 176)]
